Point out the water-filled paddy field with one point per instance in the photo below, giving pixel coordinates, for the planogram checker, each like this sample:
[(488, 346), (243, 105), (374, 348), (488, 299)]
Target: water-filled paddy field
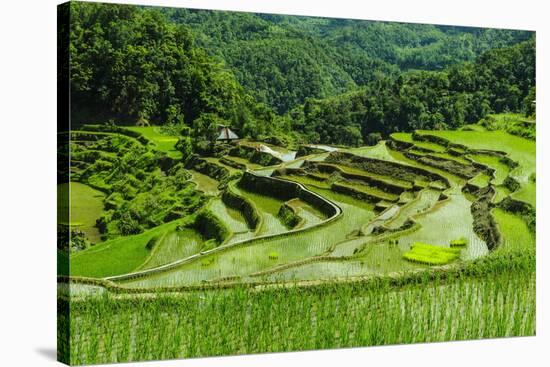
[(382, 214)]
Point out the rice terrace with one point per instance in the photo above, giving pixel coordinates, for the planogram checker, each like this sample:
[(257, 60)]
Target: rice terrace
[(260, 221)]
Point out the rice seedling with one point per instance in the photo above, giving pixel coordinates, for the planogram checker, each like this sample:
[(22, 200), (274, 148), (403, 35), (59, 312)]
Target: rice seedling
[(379, 151), (520, 150), (108, 328), (424, 201), (118, 256), (430, 254), (173, 246), (515, 233), (445, 222), (460, 242)]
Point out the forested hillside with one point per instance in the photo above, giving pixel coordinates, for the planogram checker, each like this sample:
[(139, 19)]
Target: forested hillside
[(130, 65), (500, 80), (284, 59), (307, 79)]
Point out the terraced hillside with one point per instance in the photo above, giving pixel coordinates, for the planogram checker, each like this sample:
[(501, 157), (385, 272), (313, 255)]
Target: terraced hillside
[(419, 214), (325, 213)]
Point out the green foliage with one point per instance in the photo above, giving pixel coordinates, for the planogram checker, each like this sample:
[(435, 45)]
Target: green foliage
[(423, 99), (211, 227), (185, 146), (288, 216), (140, 195), (283, 60), (129, 63), (206, 129), (529, 106), (514, 123), (73, 242)]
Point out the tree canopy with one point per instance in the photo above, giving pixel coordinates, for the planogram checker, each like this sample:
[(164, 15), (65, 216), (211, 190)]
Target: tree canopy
[(303, 78)]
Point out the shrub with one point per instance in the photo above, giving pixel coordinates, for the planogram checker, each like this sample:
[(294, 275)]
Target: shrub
[(152, 242), (288, 216), (210, 226)]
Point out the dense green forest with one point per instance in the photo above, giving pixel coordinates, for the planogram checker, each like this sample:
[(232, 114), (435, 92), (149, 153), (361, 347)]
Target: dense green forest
[(283, 60), (303, 79), (500, 80)]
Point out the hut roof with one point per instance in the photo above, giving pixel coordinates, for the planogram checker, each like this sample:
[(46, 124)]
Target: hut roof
[(226, 134)]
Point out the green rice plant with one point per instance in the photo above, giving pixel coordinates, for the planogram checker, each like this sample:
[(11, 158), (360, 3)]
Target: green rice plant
[(164, 143), (480, 180), (424, 201), (172, 246), (379, 151), (244, 260), (447, 221), (118, 256), (460, 242), (494, 162), (431, 255), (515, 233), (518, 149), (207, 261), (404, 137), (495, 301), (204, 183), (273, 255)]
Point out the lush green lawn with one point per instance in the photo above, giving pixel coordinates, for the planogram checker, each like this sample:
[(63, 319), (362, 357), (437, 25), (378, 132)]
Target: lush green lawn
[(165, 143), (85, 205)]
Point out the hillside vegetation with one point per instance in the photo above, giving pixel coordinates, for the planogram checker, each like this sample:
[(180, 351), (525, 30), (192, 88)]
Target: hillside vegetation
[(249, 183)]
